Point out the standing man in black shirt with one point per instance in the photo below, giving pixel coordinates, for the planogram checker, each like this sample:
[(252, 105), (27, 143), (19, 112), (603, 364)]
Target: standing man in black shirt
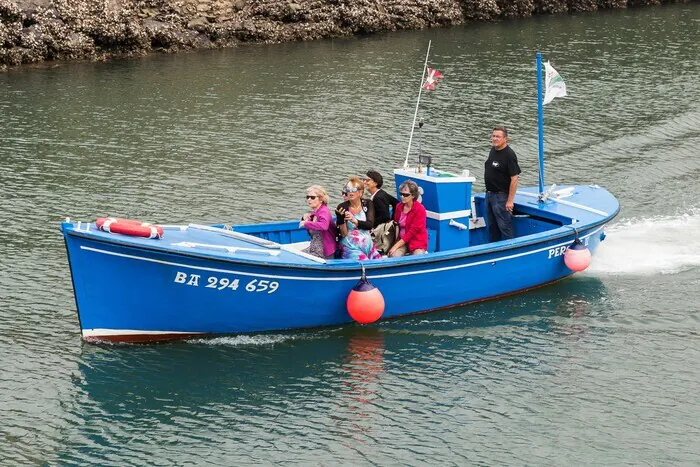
[(501, 178)]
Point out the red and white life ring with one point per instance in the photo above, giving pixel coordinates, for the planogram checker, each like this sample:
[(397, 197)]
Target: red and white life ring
[(129, 227)]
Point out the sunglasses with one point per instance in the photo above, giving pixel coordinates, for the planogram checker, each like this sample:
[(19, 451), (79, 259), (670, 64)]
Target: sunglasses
[(311, 197), (351, 189), (405, 195)]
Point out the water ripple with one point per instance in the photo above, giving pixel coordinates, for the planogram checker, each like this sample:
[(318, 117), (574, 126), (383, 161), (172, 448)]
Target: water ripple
[(597, 369)]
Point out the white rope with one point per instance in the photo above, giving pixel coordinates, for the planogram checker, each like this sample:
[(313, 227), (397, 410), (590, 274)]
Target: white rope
[(259, 241), (230, 249), (237, 235)]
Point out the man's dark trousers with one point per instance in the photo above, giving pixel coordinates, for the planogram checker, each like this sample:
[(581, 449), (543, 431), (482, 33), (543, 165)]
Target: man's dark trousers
[(499, 221)]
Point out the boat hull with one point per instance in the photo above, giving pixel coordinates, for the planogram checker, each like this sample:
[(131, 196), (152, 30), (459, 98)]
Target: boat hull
[(129, 294)]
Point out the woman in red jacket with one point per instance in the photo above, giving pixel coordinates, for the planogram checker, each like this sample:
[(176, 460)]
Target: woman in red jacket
[(411, 217)]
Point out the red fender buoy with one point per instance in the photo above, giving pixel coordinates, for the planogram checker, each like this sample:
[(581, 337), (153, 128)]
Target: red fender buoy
[(365, 302), (129, 227), (577, 257)]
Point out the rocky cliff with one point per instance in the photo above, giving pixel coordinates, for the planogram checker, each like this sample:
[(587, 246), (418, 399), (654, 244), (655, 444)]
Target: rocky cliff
[(37, 30)]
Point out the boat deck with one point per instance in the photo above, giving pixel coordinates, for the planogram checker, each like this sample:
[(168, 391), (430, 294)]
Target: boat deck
[(581, 204)]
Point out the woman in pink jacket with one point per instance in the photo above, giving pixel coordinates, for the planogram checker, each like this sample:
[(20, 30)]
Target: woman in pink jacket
[(411, 217), (319, 223)]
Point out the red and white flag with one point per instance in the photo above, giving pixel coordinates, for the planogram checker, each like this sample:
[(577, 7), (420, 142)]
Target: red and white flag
[(433, 77)]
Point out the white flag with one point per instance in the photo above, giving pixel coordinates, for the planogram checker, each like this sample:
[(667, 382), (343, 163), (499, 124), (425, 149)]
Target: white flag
[(554, 84)]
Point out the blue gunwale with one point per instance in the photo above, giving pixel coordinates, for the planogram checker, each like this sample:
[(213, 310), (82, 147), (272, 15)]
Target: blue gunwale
[(564, 232), (548, 212)]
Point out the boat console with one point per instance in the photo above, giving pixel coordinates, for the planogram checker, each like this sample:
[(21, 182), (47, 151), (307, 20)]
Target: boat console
[(447, 198)]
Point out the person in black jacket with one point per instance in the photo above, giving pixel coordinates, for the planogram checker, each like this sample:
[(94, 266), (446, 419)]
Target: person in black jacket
[(381, 199)]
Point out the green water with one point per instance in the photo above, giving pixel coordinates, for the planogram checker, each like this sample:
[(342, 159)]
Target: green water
[(601, 369)]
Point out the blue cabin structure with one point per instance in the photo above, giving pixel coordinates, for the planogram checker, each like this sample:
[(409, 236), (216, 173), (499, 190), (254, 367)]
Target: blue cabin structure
[(447, 198)]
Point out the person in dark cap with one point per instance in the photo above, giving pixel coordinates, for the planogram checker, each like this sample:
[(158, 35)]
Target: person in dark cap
[(382, 200)]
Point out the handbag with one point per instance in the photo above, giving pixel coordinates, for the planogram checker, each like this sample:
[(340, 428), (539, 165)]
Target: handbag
[(385, 235)]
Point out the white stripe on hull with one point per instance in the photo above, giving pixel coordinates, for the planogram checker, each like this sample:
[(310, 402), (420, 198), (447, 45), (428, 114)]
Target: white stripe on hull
[(101, 332)]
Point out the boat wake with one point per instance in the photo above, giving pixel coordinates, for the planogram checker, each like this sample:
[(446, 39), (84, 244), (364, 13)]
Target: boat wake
[(657, 245), (244, 341)]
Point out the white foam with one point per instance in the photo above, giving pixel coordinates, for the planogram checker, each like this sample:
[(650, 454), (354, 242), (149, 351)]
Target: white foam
[(657, 245), (243, 340)]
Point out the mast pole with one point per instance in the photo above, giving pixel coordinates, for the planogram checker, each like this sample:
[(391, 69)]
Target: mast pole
[(540, 123), (415, 114)]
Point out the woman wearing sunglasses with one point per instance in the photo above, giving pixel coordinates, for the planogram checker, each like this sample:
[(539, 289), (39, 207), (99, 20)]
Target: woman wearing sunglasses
[(355, 218), (319, 223), (411, 217)]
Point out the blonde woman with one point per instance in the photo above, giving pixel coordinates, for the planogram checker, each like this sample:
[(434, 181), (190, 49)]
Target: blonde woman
[(355, 219), (319, 223)]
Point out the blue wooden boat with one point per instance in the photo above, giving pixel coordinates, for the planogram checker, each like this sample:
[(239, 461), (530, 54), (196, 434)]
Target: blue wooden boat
[(218, 279)]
